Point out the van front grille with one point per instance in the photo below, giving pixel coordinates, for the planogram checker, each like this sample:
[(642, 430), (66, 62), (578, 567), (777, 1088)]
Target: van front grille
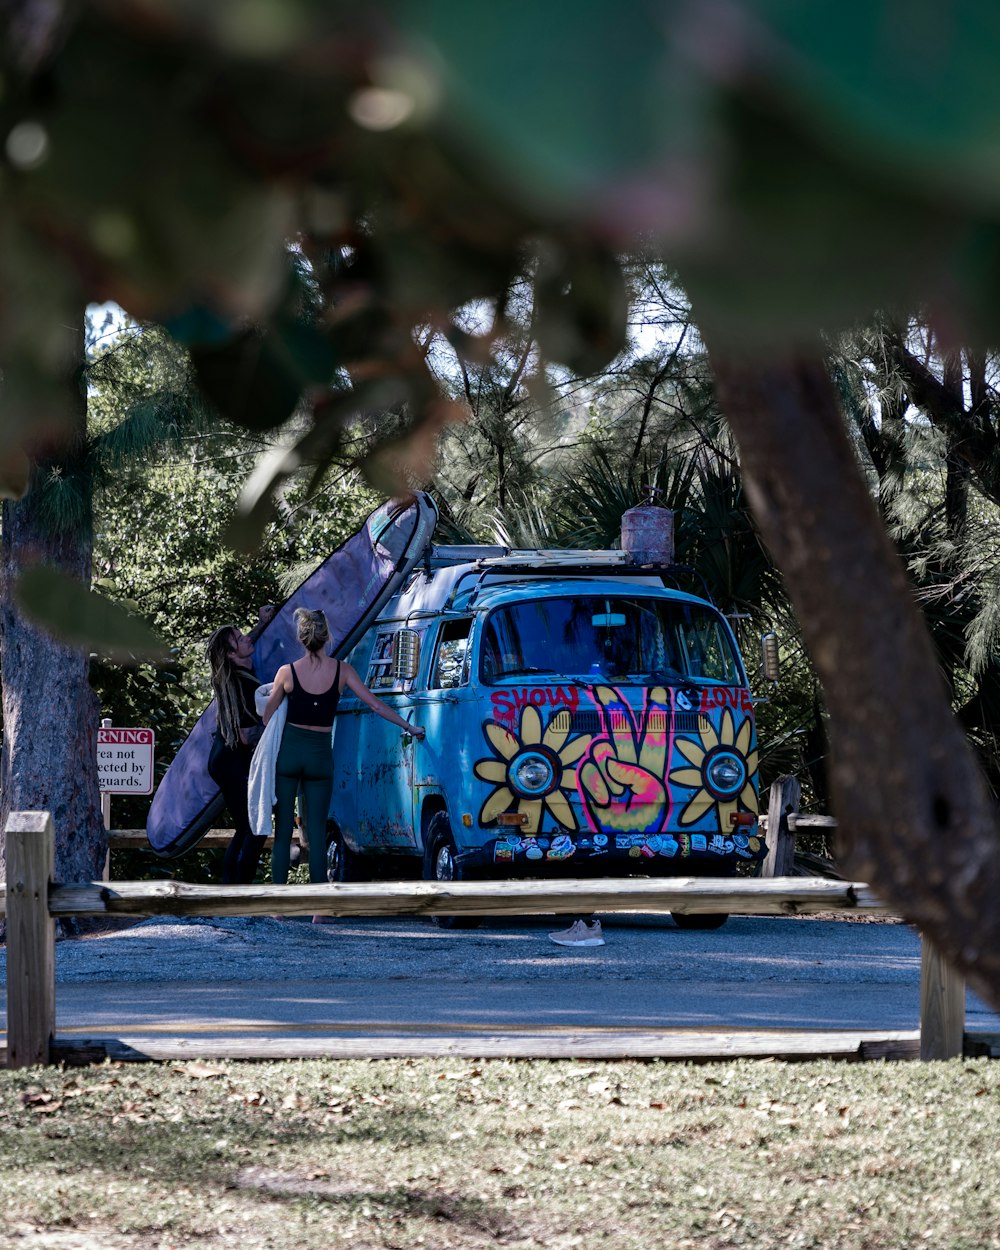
[(591, 721)]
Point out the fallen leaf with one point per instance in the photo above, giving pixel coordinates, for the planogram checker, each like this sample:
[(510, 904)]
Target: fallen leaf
[(201, 1071), (42, 1108)]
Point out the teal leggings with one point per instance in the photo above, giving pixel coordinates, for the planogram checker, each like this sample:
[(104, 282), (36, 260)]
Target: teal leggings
[(305, 763)]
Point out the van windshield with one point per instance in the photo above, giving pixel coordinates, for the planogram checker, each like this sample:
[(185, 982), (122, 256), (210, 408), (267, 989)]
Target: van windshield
[(597, 637)]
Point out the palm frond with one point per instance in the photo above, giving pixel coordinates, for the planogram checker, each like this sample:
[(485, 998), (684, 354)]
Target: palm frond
[(527, 524)]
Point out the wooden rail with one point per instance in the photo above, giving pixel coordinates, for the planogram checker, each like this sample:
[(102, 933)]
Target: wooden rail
[(32, 903), (136, 840), (747, 897)]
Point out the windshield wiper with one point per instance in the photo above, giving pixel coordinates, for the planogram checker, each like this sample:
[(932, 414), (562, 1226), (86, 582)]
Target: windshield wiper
[(517, 672), (672, 676)]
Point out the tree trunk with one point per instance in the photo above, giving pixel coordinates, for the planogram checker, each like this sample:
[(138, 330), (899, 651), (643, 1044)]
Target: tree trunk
[(957, 472), (50, 712), (916, 818)]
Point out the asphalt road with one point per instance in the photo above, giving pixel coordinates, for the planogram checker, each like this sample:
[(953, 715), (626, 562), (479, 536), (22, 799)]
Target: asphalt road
[(257, 977)]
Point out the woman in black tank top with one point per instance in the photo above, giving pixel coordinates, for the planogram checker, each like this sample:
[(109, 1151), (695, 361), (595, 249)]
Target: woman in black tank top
[(304, 765), (313, 711)]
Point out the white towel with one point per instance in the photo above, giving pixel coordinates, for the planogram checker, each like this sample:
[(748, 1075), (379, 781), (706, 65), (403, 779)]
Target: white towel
[(261, 696), (260, 790)]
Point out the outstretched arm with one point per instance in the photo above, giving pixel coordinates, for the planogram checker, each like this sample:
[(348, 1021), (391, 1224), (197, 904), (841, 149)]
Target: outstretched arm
[(354, 682), (278, 691), (265, 614)]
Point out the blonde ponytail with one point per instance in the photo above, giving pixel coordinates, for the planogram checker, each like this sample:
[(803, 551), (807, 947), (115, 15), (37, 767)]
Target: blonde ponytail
[(313, 629)]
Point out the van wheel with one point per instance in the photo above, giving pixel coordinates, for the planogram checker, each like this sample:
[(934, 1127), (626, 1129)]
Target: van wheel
[(342, 864), (699, 920), (440, 864)]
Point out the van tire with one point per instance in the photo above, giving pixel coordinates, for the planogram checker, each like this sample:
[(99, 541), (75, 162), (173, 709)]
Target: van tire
[(343, 864), (440, 864), (699, 920)]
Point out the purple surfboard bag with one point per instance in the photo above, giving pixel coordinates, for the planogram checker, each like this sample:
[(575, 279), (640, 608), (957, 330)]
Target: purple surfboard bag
[(351, 586)]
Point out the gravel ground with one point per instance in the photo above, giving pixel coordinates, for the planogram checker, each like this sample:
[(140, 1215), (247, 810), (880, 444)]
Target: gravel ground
[(238, 948)]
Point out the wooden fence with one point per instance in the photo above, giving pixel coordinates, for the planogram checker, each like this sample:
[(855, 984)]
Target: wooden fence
[(32, 902)]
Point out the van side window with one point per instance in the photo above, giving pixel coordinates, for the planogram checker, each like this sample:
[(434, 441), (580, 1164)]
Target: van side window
[(380, 665), (451, 665)]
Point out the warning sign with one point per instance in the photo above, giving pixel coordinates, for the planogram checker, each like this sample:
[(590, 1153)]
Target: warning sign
[(125, 761)]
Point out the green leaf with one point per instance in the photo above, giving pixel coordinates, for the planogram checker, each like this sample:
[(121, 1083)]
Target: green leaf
[(582, 307), (258, 378), (199, 324), (809, 242), (915, 84), (82, 618), (569, 96)]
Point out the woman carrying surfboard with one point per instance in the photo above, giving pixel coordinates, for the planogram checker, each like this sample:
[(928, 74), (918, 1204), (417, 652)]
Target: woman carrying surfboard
[(238, 728)]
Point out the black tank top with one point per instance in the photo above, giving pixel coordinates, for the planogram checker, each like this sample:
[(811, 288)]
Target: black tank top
[(313, 709)]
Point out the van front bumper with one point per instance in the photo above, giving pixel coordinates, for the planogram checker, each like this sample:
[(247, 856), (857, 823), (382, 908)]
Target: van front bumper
[(640, 852)]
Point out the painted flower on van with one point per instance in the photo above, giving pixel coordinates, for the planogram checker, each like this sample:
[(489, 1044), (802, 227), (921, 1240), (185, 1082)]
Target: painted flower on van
[(721, 773), (622, 778), (531, 769)]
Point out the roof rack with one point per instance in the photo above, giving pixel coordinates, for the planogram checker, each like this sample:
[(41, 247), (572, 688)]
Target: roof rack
[(442, 557), (546, 563)]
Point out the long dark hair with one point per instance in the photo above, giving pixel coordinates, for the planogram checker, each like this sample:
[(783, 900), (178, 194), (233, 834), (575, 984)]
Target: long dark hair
[(224, 678)]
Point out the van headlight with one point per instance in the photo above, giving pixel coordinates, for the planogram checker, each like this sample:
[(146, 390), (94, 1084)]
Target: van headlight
[(532, 774), (725, 774)]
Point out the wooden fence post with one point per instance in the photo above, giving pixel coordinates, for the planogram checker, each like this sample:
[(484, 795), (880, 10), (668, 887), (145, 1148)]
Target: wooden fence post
[(31, 939), (942, 1006), (785, 795)]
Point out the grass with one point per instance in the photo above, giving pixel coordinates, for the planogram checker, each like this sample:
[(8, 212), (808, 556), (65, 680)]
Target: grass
[(442, 1154)]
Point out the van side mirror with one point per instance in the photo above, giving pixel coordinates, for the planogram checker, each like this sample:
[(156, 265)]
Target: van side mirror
[(770, 664), (405, 654)]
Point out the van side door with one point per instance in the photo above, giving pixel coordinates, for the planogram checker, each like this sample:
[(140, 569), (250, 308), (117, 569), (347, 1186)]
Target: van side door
[(380, 770), (449, 711)]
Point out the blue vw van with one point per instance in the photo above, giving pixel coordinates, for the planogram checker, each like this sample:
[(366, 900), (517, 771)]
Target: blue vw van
[(582, 715)]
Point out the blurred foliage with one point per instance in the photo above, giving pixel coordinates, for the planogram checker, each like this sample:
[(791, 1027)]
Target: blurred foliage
[(441, 169), (43, 593), (788, 159)]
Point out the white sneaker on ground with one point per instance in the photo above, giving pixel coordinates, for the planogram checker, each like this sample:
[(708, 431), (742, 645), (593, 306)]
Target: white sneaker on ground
[(580, 933)]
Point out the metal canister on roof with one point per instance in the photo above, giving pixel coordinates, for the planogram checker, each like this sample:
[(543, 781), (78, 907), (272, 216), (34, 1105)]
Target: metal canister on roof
[(648, 531)]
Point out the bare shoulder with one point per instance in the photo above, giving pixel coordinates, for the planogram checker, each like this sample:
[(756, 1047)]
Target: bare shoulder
[(347, 672)]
